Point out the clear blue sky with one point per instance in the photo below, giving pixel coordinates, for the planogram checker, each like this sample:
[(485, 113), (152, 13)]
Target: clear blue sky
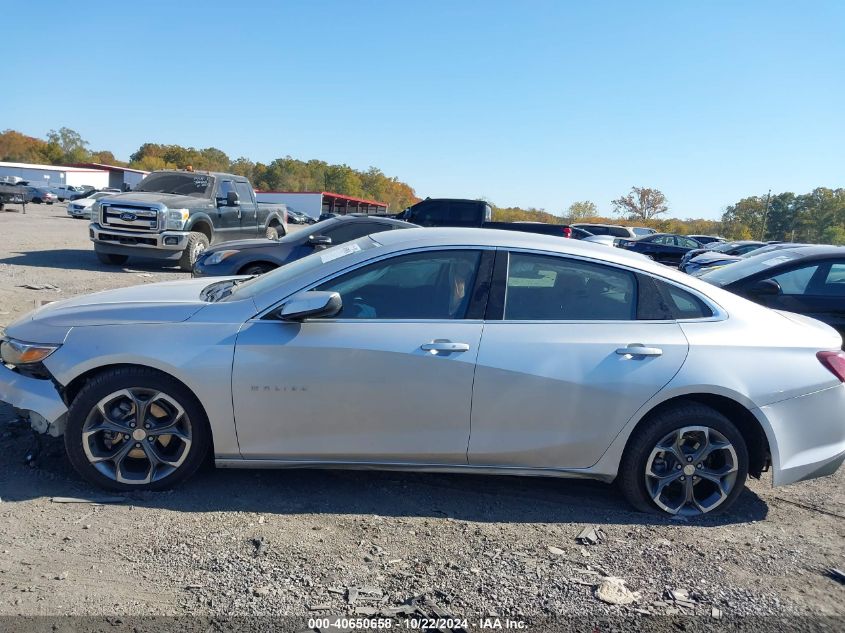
[(536, 103)]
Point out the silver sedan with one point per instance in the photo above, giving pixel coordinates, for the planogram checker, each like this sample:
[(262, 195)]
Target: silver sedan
[(460, 350)]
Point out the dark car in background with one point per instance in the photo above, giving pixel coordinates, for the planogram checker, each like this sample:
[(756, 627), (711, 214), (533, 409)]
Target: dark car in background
[(39, 195), (462, 212), (808, 280), (738, 247), (255, 257), (298, 217), (665, 248), (711, 261), (707, 239)]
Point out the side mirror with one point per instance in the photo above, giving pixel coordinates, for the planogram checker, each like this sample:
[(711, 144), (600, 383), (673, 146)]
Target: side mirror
[(319, 240), (232, 199), (765, 288), (314, 304)]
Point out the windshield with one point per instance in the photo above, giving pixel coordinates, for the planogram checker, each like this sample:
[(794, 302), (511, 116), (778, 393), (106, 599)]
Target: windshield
[(262, 283), (749, 266), (721, 247), (184, 184)]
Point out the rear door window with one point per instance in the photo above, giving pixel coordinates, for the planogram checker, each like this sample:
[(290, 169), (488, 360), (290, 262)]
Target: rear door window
[(548, 288)]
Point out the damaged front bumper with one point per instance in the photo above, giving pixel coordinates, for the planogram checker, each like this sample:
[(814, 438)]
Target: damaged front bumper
[(38, 399)]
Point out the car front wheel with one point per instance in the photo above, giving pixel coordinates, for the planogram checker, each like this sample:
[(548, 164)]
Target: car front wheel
[(687, 460), (136, 429)]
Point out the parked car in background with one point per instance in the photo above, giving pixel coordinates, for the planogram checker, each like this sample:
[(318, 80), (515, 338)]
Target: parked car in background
[(460, 212), (807, 280), (256, 257), (608, 229), (39, 195), (719, 260), (84, 191), (528, 354), (66, 192), (739, 247), (707, 239), (80, 208), (328, 215), (641, 231), (665, 248), (175, 215), (297, 217)]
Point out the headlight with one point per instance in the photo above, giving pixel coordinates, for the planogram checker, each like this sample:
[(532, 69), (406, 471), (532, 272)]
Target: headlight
[(217, 257), (16, 352), (176, 219)]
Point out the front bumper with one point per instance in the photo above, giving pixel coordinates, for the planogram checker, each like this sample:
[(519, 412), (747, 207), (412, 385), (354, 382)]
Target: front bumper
[(164, 245), (808, 433), (38, 398)]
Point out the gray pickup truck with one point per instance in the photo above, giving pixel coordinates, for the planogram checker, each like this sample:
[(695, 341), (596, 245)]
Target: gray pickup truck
[(175, 215)]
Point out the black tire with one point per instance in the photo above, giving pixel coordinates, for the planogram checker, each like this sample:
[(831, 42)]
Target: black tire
[(272, 233), (114, 380), (112, 260), (256, 269), (632, 479), (196, 244)]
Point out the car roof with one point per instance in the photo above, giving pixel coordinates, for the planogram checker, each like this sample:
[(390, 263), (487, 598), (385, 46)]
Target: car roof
[(819, 250), (368, 218)]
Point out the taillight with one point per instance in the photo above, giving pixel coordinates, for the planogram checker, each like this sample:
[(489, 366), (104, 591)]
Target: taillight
[(835, 362), (567, 231)]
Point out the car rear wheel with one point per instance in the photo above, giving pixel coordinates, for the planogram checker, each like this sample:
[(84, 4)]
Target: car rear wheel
[(112, 260), (197, 243), (688, 460), (136, 429)]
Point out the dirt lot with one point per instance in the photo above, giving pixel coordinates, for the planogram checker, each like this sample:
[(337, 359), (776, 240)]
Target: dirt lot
[(319, 543)]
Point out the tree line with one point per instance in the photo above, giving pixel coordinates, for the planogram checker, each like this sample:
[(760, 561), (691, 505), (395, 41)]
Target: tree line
[(815, 217), (66, 146)]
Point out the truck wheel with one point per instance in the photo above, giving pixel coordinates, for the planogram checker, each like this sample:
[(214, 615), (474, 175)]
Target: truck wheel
[(112, 260), (197, 243), (688, 460), (134, 428), (272, 233)]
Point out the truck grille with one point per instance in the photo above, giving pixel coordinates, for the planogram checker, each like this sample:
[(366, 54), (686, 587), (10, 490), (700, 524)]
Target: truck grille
[(130, 217)]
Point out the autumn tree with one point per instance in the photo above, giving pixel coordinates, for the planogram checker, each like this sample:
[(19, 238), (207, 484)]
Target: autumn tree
[(20, 148), (642, 203)]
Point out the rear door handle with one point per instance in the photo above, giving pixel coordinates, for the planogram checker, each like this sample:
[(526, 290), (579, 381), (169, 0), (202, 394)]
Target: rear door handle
[(443, 345), (638, 349)]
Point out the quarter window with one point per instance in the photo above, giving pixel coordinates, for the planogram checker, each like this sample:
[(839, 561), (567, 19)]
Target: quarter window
[(427, 285), (544, 288), (834, 284)]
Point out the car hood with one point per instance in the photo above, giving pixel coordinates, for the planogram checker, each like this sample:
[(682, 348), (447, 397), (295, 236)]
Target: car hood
[(170, 200), (243, 245), (710, 257), (167, 302)]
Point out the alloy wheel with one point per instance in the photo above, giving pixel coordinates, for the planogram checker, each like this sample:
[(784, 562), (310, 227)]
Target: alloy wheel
[(691, 471), (137, 436)]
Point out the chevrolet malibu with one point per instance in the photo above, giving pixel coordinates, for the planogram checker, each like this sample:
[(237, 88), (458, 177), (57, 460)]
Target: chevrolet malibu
[(460, 350)]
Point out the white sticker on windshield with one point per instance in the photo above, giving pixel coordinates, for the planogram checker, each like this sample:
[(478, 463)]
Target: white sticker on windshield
[(339, 251), (774, 261)]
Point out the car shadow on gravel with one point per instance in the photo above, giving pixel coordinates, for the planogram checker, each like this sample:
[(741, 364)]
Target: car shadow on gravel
[(493, 499), (84, 259)]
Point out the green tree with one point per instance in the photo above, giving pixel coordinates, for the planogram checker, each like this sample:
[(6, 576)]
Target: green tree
[(642, 203), (67, 146), (582, 210)]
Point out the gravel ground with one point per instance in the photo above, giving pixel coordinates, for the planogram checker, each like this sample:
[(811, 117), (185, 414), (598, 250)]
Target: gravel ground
[(319, 543)]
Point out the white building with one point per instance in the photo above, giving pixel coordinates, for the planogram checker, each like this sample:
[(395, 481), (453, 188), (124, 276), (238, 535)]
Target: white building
[(55, 175), (313, 203)]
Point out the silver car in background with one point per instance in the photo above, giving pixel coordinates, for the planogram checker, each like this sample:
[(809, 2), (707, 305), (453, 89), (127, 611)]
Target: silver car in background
[(460, 350)]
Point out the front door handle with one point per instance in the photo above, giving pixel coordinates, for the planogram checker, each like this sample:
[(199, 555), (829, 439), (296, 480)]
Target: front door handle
[(444, 345), (638, 349)]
